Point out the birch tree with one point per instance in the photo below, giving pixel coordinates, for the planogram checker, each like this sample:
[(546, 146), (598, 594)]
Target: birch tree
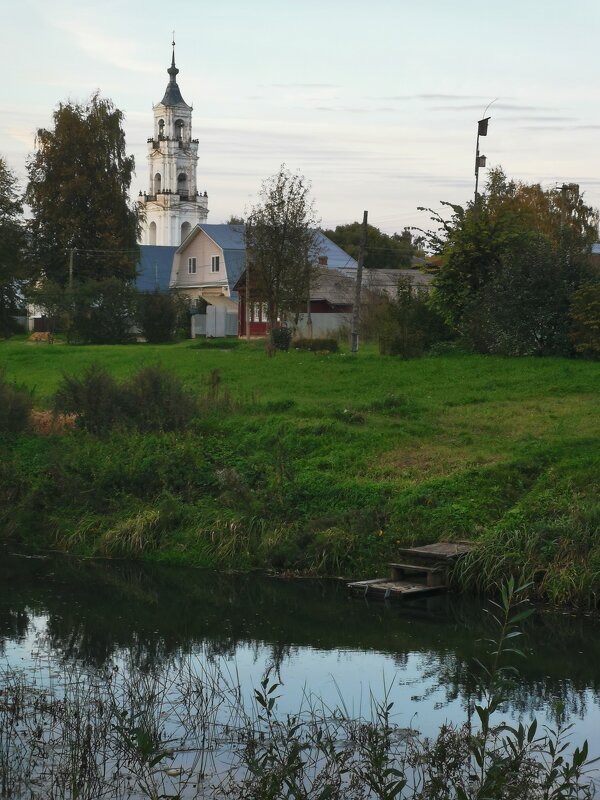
[(281, 232)]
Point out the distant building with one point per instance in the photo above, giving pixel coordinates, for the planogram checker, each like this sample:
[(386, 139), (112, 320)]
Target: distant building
[(173, 204)]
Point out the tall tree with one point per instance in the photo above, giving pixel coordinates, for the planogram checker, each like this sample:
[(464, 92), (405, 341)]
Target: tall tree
[(79, 180), (510, 265), (281, 242), (12, 246)]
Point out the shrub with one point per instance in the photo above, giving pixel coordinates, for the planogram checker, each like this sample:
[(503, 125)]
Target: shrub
[(103, 312), (15, 406), (585, 320), (160, 315), (408, 325), (154, 399), (281, 338), (316, 345), (96, 400)]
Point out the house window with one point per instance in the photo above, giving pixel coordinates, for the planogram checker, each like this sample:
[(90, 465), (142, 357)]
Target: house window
[(214, 264), (192, 266)]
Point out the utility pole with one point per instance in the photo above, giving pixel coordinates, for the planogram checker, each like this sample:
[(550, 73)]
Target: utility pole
[(356, 308), (247, 299), (71, 258)]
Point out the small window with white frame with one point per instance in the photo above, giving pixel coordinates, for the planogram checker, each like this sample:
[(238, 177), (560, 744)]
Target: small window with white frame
[(215, 263), (192, 265)]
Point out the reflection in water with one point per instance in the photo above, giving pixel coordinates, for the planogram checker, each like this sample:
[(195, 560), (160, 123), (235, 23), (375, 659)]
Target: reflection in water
[(309, 632)]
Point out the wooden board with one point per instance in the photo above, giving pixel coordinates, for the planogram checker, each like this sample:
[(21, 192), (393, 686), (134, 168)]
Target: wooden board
[(440, 551), (384, 588)]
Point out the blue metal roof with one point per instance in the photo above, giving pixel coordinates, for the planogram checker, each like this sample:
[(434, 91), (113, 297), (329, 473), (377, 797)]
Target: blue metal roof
[(154, 268), (596, 249), (231, 237), (336, 257)]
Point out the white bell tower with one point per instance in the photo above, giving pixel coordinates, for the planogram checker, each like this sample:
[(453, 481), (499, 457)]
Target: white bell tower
[(173, 204)]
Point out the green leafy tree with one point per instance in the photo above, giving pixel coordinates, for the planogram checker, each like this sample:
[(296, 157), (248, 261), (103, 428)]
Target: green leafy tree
[(585, 320), (102, 312), (54, 301), (383, 251), (281, 244), (12, 250), (407, 325), (521, 252), (79, 180)]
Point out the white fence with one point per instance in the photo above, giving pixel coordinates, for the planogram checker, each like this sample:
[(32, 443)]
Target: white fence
[(216, 323)]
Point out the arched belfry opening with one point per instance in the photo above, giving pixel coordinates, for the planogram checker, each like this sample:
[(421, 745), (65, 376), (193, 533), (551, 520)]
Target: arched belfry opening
[(161, 129), (157, 183), (152, 233), (185, 230)]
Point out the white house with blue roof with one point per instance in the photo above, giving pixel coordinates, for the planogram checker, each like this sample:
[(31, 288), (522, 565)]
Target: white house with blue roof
[(209, 262)]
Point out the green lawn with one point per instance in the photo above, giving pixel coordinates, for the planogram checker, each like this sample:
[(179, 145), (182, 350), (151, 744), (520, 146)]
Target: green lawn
[(325, 463)]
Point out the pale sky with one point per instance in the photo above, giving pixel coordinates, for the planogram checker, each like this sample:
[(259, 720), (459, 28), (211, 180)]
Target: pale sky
[(374, 102)]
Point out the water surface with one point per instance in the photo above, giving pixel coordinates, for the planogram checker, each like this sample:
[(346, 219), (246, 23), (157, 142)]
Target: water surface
[(310, 635)]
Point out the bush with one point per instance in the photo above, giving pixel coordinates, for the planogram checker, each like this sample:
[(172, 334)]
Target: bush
[(316, 345), (585, 320), (409, 326), (96, 400), (103, 312), (160, 315), (281, 338), (157, 400), (153, 400), (15, 406)]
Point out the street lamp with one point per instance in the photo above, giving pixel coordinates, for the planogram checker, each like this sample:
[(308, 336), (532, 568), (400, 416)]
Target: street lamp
[(482, 129)]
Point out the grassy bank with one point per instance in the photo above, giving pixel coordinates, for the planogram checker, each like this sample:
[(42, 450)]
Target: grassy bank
[(324, 464)]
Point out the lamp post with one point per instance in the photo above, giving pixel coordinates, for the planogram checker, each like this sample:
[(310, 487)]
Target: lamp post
[(482, 129)]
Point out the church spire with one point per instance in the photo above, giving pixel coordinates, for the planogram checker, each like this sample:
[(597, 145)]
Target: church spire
[(172, 94)]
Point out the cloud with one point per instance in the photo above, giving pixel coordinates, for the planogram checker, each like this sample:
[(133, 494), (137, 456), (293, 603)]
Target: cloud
[(305, 86), (117, 51), (425, 96), (495, 107)]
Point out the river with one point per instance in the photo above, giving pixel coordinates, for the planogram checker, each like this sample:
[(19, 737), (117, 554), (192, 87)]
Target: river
[(61, 614)]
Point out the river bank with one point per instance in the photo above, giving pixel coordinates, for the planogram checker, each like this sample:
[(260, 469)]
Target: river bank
[(324, 465)]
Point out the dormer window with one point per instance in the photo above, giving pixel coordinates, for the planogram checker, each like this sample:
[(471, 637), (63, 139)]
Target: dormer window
[(192, 266), (215, 264)]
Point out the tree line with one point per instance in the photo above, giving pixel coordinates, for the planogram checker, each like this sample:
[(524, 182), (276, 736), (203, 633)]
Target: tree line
[(513, 271)]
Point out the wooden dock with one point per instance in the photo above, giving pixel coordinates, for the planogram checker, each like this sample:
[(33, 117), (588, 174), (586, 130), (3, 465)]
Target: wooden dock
[(423, 571)]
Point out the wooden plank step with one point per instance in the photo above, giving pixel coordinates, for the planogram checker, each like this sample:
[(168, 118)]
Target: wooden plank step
[(385, 589), (422, 568), (438, 552), (426, 574)]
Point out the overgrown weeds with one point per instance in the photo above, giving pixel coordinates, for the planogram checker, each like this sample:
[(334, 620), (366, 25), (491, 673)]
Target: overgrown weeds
[(154, 399), (16, 403)]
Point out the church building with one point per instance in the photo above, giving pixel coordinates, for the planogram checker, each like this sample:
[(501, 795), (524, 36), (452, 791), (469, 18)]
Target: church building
[(173, 204)]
